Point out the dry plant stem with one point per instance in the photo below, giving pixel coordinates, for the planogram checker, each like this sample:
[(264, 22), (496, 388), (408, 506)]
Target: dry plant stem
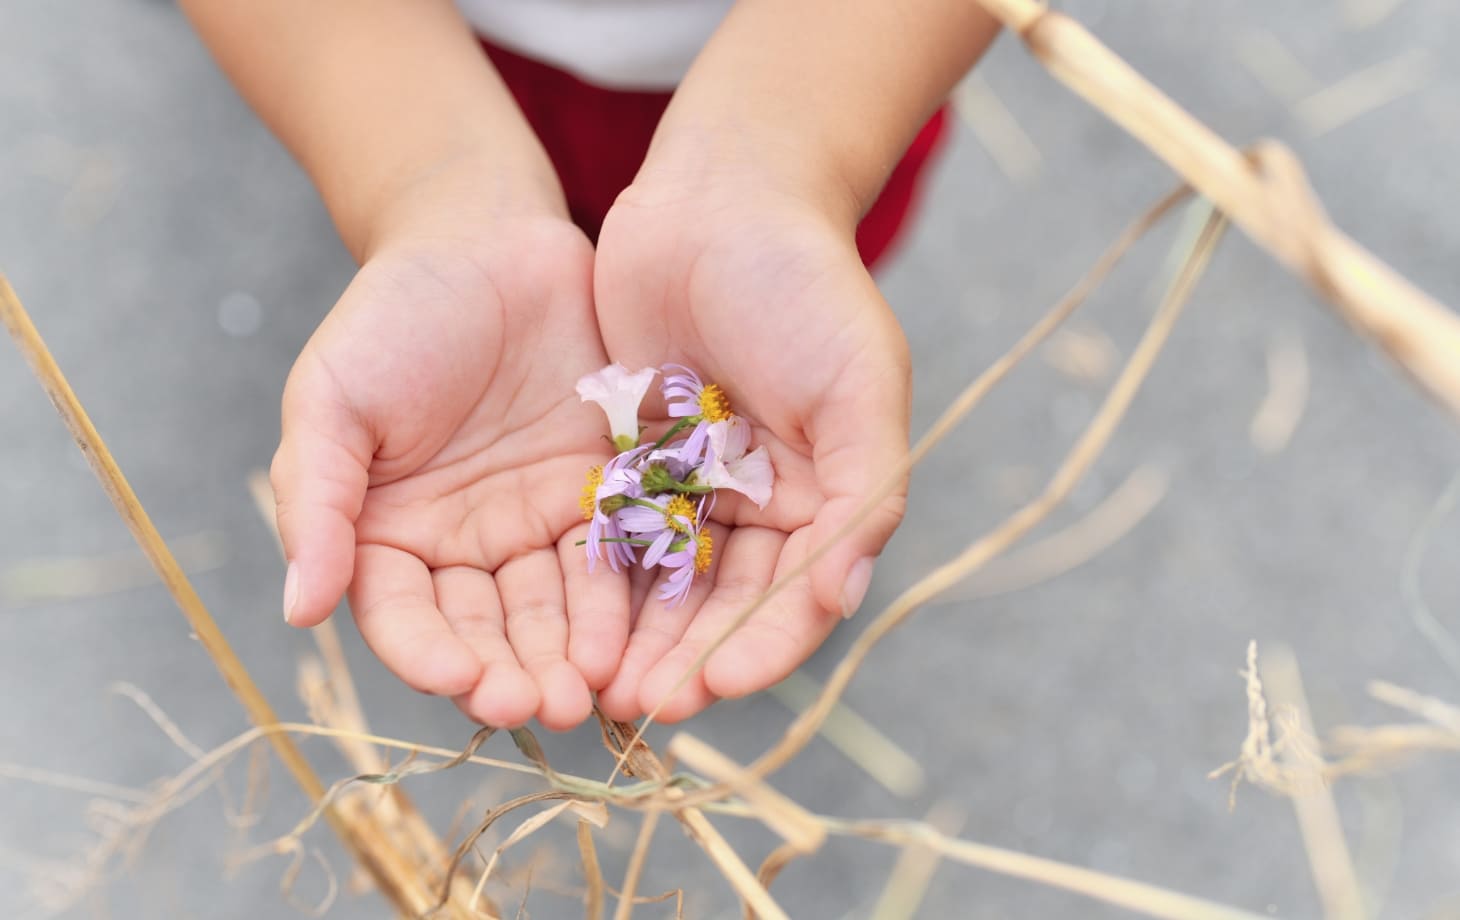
[(1081, 456), (393, 874), (592, 873), (862, 742), (971, 396), (794, 824), (916, 864), (642, 762), (636, 865), (1101, 528), (464, 849), (1328, 853), (1111, 889), (1265, 193), (770, 869)]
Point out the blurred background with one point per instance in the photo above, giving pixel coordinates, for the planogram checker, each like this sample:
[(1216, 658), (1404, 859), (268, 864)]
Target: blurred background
[(1272, 482)]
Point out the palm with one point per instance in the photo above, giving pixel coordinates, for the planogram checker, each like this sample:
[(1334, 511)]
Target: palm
[(443, 384), (771, 303)]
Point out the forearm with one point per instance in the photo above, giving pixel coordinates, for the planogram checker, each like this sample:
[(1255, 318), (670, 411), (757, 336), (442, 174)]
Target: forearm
[(822, 95), (375, 96)]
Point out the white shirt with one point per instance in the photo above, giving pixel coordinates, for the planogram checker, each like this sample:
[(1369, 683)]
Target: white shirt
[(621, 44)]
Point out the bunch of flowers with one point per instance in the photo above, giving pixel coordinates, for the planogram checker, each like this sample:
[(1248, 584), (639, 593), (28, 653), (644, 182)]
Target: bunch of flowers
[(649, 504)]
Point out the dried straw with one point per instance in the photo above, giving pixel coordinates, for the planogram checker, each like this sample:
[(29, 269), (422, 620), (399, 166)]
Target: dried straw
[(396, 875), (1264, 192)]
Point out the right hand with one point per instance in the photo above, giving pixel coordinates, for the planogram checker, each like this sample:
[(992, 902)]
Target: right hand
[(432, 454)]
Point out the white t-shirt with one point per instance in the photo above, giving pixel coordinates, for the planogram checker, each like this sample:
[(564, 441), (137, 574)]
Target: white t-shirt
[(622, 44)]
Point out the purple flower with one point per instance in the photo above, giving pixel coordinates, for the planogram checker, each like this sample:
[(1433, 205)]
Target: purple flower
[(689, 397), (686, 558), (617, 478)]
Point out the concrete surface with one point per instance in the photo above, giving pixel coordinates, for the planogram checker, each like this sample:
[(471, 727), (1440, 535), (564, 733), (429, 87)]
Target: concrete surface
[(176, 260)]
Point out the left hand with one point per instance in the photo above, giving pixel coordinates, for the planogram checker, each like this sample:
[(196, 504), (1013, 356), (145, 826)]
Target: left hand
[(763, 293)]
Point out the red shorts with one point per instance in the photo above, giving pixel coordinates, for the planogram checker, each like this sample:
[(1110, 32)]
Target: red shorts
[(597, 139)]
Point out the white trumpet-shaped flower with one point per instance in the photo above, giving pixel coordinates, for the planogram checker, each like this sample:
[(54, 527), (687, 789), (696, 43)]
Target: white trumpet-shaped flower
[(619, 394)]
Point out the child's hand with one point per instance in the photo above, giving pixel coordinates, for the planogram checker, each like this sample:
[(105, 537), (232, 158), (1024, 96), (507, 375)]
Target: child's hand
[(433, 450), (766, 296)]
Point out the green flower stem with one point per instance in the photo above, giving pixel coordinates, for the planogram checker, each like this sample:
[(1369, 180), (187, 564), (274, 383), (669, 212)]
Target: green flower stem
[(618, 540), (676, 429)]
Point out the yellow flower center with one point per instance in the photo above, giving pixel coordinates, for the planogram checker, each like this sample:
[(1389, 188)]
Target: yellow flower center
[(679, 507), (714, 404), (704, 552), (589, 501)]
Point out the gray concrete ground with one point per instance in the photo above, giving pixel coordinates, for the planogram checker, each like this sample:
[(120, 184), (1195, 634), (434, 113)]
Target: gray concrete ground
[(176, 260)]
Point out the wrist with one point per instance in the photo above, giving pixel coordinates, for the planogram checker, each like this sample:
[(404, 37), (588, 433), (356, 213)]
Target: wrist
[(726, 157), (460, 195)]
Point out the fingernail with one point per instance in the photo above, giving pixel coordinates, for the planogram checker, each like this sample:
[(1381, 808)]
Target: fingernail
[(291, 590), (854, 591)]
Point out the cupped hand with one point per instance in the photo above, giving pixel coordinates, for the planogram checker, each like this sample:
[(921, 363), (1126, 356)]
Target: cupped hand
[(432, 455), (764, 294)]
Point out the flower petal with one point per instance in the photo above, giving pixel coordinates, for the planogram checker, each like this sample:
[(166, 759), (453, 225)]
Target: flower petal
[(619, 393)]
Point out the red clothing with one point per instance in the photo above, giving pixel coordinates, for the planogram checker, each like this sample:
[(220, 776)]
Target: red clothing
[(597, 139)]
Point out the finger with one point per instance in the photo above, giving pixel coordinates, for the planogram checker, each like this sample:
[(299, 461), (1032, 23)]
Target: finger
[(658, 628), (744, 571), (395, 606), (319, 474), (778, 638), (531, 588), (598, 611), (505, 696), (852, 461)]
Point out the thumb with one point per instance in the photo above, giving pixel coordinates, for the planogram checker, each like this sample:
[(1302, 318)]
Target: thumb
[(319, 474), (860, 438)]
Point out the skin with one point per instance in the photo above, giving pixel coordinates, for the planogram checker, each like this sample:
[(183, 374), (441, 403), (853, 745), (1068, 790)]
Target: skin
[(433, 448)]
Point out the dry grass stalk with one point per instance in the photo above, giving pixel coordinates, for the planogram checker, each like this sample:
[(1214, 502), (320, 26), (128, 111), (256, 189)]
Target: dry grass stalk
[(642, 762), (1086, 356), (39, 580), (997, 130), (771, 867), (1441, 639), (398, 878), (592, 873), (1366, 14), (1268, 753), (1363, 91), (1101, 528), (1369, 749), (1264, 192), (795, 825), (863, 743), (1275, 66), (636, 865), (913, 872), (1328, 853), (1282, 408), (1110, 889)]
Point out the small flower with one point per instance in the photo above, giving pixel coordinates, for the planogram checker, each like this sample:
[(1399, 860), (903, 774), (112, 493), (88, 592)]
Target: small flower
[(688, 557), (619, 393), (728, 466), (615, 480), (689, 397), (674, 513)]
